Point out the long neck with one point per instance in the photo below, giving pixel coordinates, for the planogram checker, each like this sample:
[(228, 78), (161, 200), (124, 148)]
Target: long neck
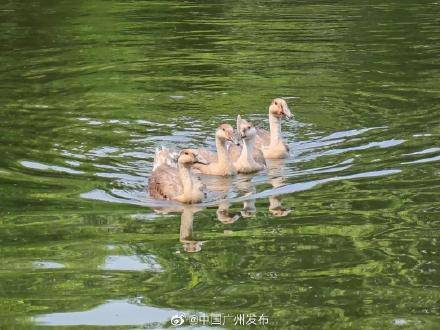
[(222, 152), (185, 177), (248, 149), (275, 130)]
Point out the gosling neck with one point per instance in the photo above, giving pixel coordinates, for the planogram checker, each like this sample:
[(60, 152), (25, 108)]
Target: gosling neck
[(248, 150), (275, 130), (222, 152), (187, 182)]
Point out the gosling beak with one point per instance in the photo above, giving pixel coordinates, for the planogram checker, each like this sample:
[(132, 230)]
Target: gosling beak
[(287, 113), (236, 138), (201, 160), (232, 137)]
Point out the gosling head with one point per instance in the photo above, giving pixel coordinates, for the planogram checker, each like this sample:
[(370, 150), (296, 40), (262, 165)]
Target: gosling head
[(279, 109), (225, 132), (245, 129), (188, 157)]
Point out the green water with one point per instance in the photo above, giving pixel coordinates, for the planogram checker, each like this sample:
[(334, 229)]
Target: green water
[(88, 90)]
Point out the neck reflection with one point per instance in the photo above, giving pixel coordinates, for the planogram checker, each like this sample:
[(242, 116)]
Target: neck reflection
[(277, 172), (187, 212), (246, 187), (186, 230)]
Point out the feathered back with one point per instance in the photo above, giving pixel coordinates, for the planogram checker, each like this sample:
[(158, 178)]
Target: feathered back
[(165, 156)]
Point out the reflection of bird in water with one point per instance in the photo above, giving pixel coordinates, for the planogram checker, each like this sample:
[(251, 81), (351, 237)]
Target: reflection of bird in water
[(186, 225), (246, 185), (276, 208), (186, 230), (223, 214), (221, 186), (276, 169), (249, 208)]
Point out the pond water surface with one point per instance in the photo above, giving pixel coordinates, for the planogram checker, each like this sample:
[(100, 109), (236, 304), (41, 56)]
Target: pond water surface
[(343, 234)]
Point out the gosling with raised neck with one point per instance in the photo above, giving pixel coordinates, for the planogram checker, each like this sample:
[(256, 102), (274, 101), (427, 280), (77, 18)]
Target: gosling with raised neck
[(220, 163), (271, 143), (247, 162)]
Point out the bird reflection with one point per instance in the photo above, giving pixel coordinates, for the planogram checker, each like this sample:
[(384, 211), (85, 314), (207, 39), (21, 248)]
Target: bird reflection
[(223, 214), (221, 187), (217, 185), (276, 170), (186, 225), (247, 188), (186, 230)]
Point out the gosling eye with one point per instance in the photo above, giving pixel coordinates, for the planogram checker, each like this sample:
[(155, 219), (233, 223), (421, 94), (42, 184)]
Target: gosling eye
[(248, 127), (276, 103), (223, 129), (186, 153)]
